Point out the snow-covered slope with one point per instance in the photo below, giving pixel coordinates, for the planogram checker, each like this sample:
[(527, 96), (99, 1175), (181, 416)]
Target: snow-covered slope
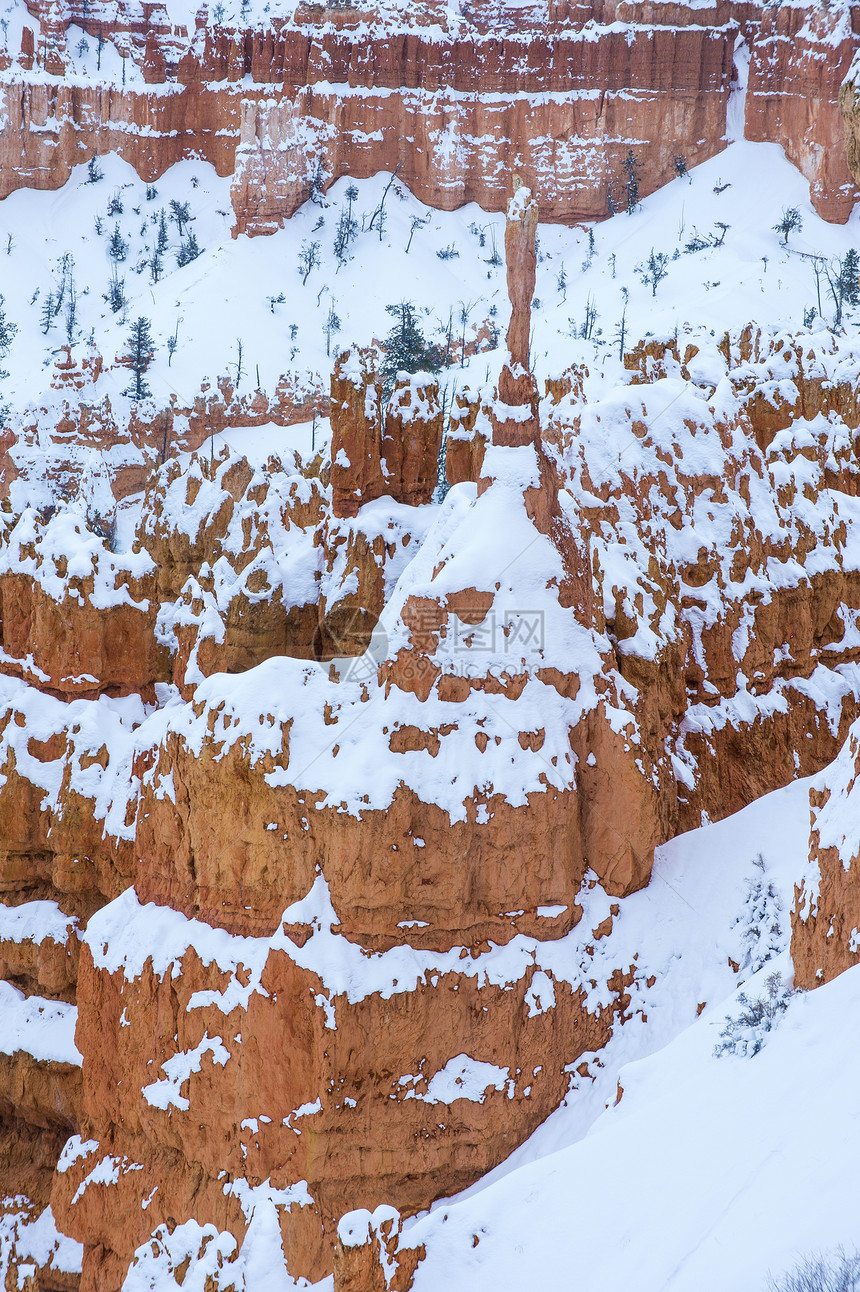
[(231, 292)]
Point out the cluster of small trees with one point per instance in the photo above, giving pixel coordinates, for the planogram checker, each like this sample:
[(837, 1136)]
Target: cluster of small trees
[(62, 301), (623, 193), (153, 257), (841, 278), (838, 1271)]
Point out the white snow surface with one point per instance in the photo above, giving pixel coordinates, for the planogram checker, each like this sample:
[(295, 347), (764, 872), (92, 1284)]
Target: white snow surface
[(42, 1028)]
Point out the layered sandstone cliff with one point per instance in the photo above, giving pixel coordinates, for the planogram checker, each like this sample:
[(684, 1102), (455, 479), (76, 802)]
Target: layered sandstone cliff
[(456, 102)]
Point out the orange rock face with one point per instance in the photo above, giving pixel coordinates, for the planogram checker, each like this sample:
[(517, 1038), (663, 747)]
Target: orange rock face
[(798, 63), (316, 800), (663, 82), (825, 920), (378, 891)]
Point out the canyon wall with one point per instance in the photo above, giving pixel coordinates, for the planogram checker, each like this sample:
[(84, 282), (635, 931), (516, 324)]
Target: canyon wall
[(272, 769), (556, 94)]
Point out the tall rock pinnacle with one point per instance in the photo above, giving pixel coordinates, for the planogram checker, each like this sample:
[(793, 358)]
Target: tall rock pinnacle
[(515, 419), (521, 258)]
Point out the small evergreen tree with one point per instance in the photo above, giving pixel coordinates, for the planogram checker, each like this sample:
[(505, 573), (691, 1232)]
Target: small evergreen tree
[(161, 245), (115, 294), (7, 334), (844, 281), (790, 222), (654, 270), (309, 258), (621, 326), (117, 245), (94, 171), (181, 214), (406, 348), (745, 1033), (188, 250), (347, 229), (47, 315), (760, 924), (631, 170), (330, 327), (586, 330), (681, 167), (317, 193), (71, 312), (139, 353)]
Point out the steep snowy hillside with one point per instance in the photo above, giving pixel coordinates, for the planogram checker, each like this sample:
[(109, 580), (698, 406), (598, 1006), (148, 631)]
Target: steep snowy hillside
[(224, 308)]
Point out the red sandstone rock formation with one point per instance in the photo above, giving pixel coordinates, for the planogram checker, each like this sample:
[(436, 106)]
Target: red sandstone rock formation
[(825, 920), (800, 57), (398, 872), (663, 82), (675, 689)]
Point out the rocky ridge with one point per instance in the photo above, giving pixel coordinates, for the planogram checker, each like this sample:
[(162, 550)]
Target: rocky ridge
[(392, 704)]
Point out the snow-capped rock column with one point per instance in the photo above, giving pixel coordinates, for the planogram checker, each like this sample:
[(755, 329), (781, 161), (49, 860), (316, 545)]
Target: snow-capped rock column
[(515, 420), (411, 440), (356, 425), (521, 257)]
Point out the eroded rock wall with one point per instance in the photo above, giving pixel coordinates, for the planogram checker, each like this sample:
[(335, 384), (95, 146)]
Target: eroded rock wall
[(326, 904), (555, 94)]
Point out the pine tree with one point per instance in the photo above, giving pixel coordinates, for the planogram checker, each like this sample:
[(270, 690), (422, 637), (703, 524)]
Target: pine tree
[(161, 245), (140, 350), (344, 234), (317, 194), (849, 277), (309, 258), (843, 282), (654, 270), (791, 220), (406, 349), (71, 312), (330, 327), (631, 168), (115, 294), (179, 211), (117, 246), (188, 250), (7, 334), (47, 317), (94, 171)]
